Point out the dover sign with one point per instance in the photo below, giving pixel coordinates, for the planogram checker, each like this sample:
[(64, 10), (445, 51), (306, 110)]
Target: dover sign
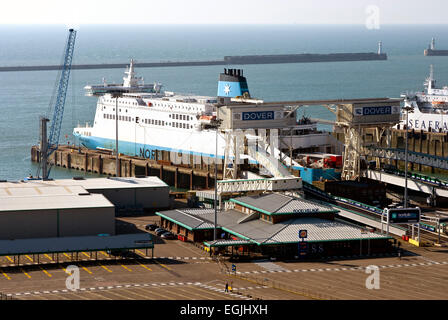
[(258, 115), (375, 111)]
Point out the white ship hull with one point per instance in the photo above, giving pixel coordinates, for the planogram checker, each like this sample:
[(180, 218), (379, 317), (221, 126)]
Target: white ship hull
[(425, 121)]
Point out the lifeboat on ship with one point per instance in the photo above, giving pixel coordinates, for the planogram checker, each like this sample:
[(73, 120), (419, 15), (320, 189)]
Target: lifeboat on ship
[(207, 119)]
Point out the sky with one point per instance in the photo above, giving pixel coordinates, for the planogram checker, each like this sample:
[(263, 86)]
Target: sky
[(79, 12)]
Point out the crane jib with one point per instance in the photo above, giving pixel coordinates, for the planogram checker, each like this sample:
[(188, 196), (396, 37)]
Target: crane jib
[(58, 109)]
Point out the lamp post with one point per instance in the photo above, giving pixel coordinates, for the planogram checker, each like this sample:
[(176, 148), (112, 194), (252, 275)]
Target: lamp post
[(216, 180), (405, 204), (116, 95), (216, 184)]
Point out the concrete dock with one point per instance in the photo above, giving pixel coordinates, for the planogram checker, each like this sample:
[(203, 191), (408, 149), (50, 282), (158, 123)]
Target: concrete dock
[(200, 175)]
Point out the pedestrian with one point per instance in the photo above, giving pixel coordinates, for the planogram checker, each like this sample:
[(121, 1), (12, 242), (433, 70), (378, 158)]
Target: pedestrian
[(227, 287), (399, 254)]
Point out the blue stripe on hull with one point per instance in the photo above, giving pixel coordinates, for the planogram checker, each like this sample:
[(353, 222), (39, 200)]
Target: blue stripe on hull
[(132, 148)]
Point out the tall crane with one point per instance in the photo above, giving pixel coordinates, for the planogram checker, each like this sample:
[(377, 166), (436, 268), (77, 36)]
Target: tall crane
[(49, 146)]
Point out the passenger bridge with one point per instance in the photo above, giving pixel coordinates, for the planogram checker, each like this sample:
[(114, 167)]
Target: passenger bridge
[(415, 157), (425, 187)]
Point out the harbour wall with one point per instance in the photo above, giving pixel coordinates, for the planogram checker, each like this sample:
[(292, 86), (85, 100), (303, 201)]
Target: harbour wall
[(228, 60)]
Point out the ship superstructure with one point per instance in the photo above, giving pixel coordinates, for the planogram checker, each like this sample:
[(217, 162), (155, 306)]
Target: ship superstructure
[(430, 107)]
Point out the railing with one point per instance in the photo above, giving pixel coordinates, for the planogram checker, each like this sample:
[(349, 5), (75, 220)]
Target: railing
[(420, 177), (342, 199)]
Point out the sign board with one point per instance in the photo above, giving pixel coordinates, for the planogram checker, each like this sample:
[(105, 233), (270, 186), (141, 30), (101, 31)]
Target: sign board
[(403, 215), (303, 248), (258, 115), (142, 241), (233, 267), (376, 110), (313, 210), (303, 234)]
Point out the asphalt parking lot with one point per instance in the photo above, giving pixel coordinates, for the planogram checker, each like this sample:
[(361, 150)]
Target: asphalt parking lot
[(181, 270)]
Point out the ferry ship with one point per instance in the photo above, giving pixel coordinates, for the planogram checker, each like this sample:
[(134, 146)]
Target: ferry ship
[(430, 107), (150, 120)]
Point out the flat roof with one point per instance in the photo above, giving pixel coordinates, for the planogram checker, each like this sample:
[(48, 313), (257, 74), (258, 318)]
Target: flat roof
[(277, 204), (264, 233), (52, 202), (94, 183), (75, 244), (8, 190)]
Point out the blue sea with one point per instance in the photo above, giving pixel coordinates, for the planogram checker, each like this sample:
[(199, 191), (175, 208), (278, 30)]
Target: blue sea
[(26, 95)]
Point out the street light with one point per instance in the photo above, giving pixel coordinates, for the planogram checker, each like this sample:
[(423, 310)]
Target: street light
[(216, 180), (407, 109), (116, 95)]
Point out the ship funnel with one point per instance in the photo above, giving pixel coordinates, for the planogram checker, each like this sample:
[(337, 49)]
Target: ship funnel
[(232, 84)]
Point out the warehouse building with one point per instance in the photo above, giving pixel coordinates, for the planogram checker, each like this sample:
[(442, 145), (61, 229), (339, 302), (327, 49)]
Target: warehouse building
[(124, 193), (39, 211), (269, 224)]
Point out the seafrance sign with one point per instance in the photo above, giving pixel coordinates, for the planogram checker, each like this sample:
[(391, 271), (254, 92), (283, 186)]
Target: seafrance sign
[(376, 110)]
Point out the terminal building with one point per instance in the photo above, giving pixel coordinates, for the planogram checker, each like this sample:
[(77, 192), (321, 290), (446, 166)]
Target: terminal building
[(269, 225)]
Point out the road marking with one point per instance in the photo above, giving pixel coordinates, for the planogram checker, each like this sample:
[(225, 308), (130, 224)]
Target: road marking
[(29, 258), (6, 276), (45, 271), (161, 264), (104, 254), (140, 252), (29, 277), (48, 257), (10, 260), (86, 255), (105, 267), (143, 266), (68, 257), (87, 270), (126, 268)]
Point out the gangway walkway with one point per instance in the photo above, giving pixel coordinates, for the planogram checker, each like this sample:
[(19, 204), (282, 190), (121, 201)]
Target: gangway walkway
[(412, 184), (415, 157), (268, 161)]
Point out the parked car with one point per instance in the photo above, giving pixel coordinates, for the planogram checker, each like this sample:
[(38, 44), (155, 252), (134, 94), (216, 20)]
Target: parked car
[(159, 231), (151, 227), (168, 235)]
